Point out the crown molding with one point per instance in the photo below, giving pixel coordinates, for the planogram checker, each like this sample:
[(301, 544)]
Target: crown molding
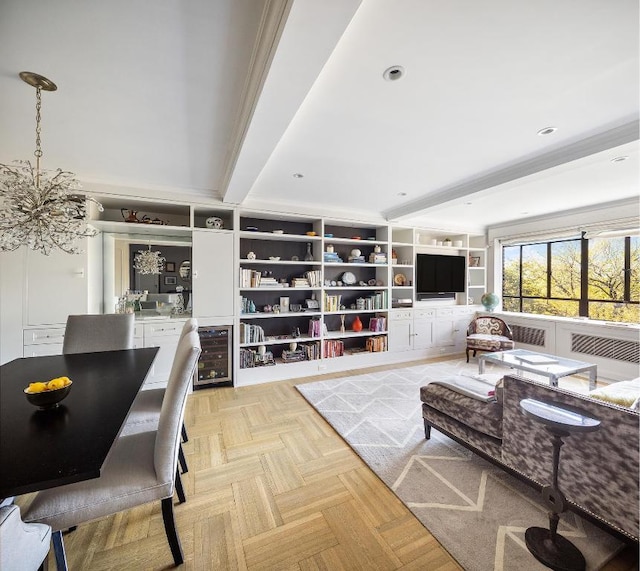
[(606, 140)]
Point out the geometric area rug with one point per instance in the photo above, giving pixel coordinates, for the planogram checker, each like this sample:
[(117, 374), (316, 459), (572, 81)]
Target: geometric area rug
[(477, 511)]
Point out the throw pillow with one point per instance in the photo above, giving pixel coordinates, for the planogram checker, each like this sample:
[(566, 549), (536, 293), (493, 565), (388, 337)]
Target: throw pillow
[(624, 393)]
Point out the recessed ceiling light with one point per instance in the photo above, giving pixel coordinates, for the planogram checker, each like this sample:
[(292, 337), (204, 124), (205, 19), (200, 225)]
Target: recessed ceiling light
[(298, 175), (468, 203), (402, 194), (547, 131), (619, 159), (393, 73)]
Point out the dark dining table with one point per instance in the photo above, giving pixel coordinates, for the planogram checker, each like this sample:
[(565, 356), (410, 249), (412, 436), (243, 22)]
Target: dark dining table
[(42, 449)]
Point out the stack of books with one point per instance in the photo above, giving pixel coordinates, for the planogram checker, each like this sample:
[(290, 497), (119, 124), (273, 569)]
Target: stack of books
[(293, 356), (300, 282), (268, 282), (378, 258), (332, 257), (356, 260)]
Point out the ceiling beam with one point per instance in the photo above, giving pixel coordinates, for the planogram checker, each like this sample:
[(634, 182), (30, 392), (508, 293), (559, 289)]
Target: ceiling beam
[(610, 139), (296, 40)]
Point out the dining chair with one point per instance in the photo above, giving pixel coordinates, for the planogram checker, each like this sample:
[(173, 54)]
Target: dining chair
[(23, 546), (145, 410), (91, 333), (141, 468)]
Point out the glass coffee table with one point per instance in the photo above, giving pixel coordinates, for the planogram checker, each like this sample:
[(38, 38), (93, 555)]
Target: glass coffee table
[(550, 366)]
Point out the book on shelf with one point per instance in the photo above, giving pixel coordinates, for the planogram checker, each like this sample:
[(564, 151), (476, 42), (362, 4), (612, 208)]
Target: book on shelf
[(378, 324), (332, 302), (315, 328), (376, 344), (251, 333), (333, 348)]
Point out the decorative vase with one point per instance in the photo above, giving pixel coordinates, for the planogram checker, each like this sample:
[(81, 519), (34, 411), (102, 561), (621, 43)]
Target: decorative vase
[(490, 301), (308, 256), (356, 325)]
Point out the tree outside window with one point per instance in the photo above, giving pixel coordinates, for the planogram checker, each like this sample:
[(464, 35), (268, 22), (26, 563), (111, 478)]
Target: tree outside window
[(598, 278)]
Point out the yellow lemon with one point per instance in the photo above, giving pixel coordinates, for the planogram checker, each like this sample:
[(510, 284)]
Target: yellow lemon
[(57, 383), (37, 387)]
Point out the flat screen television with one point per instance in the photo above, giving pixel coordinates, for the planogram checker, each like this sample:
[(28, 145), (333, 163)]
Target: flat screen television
[(437, 273)]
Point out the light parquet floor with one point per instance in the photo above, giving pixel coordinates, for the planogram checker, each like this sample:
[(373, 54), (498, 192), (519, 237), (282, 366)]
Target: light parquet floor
[(270, 486)]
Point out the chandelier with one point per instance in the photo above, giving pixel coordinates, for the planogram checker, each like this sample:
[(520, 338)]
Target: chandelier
[(41, 209), (148, 262)]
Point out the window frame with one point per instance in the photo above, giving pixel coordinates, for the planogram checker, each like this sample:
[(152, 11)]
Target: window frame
[(583, 300)]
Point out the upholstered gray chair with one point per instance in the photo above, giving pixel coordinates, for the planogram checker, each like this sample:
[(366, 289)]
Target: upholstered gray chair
[(91, 333), (23, 546), (145, 411), (488, 333), (140, 468)]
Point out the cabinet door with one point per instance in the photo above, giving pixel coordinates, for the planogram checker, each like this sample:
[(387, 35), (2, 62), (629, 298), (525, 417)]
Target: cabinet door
[(400, 335), (423, 334), (164, 335), (213, 274), (56, 286), (445, 332)]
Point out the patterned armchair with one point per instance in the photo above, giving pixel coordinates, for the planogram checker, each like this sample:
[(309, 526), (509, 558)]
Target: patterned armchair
[(488, 333)]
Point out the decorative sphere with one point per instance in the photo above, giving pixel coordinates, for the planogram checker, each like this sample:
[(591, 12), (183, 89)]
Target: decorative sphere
[(490, 301)]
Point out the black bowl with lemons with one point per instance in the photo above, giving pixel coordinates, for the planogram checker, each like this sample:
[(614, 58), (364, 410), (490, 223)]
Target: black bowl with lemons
[(49, 394)]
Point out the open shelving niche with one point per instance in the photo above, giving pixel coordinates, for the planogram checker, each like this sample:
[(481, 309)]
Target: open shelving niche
[(317, 311)]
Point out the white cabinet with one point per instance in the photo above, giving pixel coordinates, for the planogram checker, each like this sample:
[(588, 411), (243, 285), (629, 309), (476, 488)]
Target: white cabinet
[(56, 286), (213, 273), (451, 326), (423, 325), (45, 341), (165, 335), (401, 330), (411, 329)]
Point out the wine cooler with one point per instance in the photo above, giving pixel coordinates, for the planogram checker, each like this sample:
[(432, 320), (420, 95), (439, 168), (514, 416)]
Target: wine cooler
[(214, 365)]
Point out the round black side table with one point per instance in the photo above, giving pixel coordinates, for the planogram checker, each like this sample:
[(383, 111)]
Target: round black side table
[(547, 545)]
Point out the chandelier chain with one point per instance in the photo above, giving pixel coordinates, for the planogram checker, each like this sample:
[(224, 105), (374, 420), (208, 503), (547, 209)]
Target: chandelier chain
[(38, 152)]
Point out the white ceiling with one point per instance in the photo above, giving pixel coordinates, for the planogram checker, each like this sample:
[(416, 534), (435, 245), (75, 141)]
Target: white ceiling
[(227, 99)]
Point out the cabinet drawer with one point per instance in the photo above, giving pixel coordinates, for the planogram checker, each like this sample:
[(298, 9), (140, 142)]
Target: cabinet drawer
[(399, 315), (41, 336), (162, 329), (445, 311), (424, 313)]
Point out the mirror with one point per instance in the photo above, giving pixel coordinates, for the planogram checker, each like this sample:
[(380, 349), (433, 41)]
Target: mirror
[(119, 276), (185, 270)]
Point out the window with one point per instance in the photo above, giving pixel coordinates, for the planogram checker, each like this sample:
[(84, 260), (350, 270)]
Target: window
[(598, 278)]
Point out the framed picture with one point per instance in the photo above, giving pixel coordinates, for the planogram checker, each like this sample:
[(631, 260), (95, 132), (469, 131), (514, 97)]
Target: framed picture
[(170, 267), (474, 261), (170, 280)]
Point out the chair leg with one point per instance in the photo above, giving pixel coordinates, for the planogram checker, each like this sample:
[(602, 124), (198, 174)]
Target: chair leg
[(185, 436), (182, 460), (58, 550), (171, 531), (427, 430), (179, 489)]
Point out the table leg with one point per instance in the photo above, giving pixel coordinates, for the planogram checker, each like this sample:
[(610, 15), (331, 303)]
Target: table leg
[(480, 365), (592, 378)]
